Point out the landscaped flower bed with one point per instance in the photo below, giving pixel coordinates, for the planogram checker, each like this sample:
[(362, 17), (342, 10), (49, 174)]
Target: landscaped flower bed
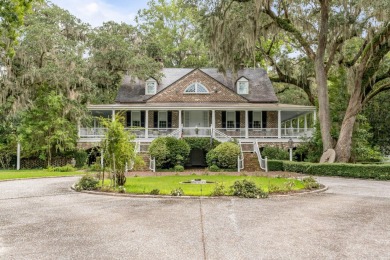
[(165, 185)]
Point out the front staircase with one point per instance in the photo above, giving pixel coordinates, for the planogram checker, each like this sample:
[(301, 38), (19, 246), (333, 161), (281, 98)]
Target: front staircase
[(252, 158)]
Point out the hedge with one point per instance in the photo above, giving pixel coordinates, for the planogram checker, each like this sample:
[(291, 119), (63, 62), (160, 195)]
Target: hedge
[(364, 171)]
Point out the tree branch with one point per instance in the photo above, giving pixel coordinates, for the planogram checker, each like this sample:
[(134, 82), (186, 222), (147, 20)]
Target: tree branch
[(287, 26)]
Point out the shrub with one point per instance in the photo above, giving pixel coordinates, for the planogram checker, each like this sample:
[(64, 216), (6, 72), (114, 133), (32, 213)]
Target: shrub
[(96, 167), (81, 157), (247, 189), (87, 182), (177, 192), (179, 168), (121, 189), (310, 183), (289, 185), (169, 151), (274, 165), (158, 149), (139, 163), (66, 168), (219, 190), (365, 171), (272, 188), (202, 143), (214, 168), (155, 192), (224, 155), (178, 150), (275, 153)]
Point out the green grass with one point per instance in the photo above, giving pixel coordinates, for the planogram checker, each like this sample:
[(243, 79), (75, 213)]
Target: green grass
[(143, 185), (14, 174)]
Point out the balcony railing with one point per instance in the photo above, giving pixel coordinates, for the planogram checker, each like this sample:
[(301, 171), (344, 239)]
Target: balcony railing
[(151, 133)]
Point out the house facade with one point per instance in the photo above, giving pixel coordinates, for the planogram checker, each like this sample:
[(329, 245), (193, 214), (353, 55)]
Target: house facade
[(204, 103)]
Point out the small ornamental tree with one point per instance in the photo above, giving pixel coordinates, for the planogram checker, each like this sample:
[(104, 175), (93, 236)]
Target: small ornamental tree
[(118, 148)]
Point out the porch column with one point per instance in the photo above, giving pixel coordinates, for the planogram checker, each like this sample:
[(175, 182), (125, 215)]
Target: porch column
[(279, 124), (246, 124), (146, 123), (18, 157), (305, 123), (213, 122), (314, 118), (113, 115), (180, 119), (298, 125)]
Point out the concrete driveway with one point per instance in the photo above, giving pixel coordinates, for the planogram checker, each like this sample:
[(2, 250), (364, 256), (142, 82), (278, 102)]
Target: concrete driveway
[(44, 219)]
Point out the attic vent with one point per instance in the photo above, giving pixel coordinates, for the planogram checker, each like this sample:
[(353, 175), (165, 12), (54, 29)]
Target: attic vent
[(242, 86), (196, 88)]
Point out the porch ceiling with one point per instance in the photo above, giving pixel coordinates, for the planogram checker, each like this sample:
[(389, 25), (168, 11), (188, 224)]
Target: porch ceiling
[(294, 109)]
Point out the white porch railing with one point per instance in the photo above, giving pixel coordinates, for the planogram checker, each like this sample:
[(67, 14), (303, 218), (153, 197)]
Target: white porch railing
[(224, 134), (263, 162), (196, 131)]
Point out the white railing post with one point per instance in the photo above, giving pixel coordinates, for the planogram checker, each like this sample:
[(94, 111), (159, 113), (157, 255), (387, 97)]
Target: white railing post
[(305, 123), (279, 124), (146, 124), (18, 156), (113, 115), (246, 124), (266, 164), (238, 164)]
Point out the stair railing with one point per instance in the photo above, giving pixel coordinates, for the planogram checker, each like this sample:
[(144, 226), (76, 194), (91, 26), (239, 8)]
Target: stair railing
[(240, 160), (152, 164), (262, 161), (222, 137)]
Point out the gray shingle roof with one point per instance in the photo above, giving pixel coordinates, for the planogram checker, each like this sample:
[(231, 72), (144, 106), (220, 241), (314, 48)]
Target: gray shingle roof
[(260, 87)]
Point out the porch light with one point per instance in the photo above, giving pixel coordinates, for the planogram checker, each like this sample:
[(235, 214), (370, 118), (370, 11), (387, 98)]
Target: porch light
[(290, 147)]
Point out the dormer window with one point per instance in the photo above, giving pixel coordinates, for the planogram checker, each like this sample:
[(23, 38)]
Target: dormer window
[(196, 88), (151, 87), (242, 86)]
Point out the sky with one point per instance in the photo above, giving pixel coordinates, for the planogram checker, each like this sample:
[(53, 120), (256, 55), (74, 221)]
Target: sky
[(95, 12)]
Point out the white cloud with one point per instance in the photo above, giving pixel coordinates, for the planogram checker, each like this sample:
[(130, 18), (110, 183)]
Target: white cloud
[(95, 12)]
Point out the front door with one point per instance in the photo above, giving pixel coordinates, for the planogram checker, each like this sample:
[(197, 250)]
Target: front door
[(196, 119)]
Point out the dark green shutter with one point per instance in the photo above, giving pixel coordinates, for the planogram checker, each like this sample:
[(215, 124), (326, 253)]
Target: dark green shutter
[(237, 119), (155, 119), (169, 119), (128, 118), (250, 119), (142, 118), (223, 119), (264, 118)]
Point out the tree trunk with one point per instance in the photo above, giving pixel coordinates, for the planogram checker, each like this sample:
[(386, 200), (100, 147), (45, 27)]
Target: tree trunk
[(344, 143), (323, 105), (322, 77)]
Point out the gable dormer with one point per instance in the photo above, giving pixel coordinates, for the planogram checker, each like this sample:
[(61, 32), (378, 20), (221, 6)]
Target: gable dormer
[(150, 86), (242, 86)]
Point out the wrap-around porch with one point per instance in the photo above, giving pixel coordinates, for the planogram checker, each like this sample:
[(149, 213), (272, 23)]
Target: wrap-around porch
[(285, 122)]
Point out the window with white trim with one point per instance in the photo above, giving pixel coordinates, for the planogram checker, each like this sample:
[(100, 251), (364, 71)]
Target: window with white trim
[(162, 119), (135, 118), (196, 88), (150, 87), (257, 119), (230, 119), (242, 86)]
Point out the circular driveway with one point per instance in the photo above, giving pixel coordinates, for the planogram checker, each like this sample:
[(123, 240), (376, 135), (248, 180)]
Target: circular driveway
[(44, 219)]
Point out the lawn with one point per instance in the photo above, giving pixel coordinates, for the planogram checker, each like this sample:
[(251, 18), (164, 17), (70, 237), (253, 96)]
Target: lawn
[(143, 185), (14, 174)]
